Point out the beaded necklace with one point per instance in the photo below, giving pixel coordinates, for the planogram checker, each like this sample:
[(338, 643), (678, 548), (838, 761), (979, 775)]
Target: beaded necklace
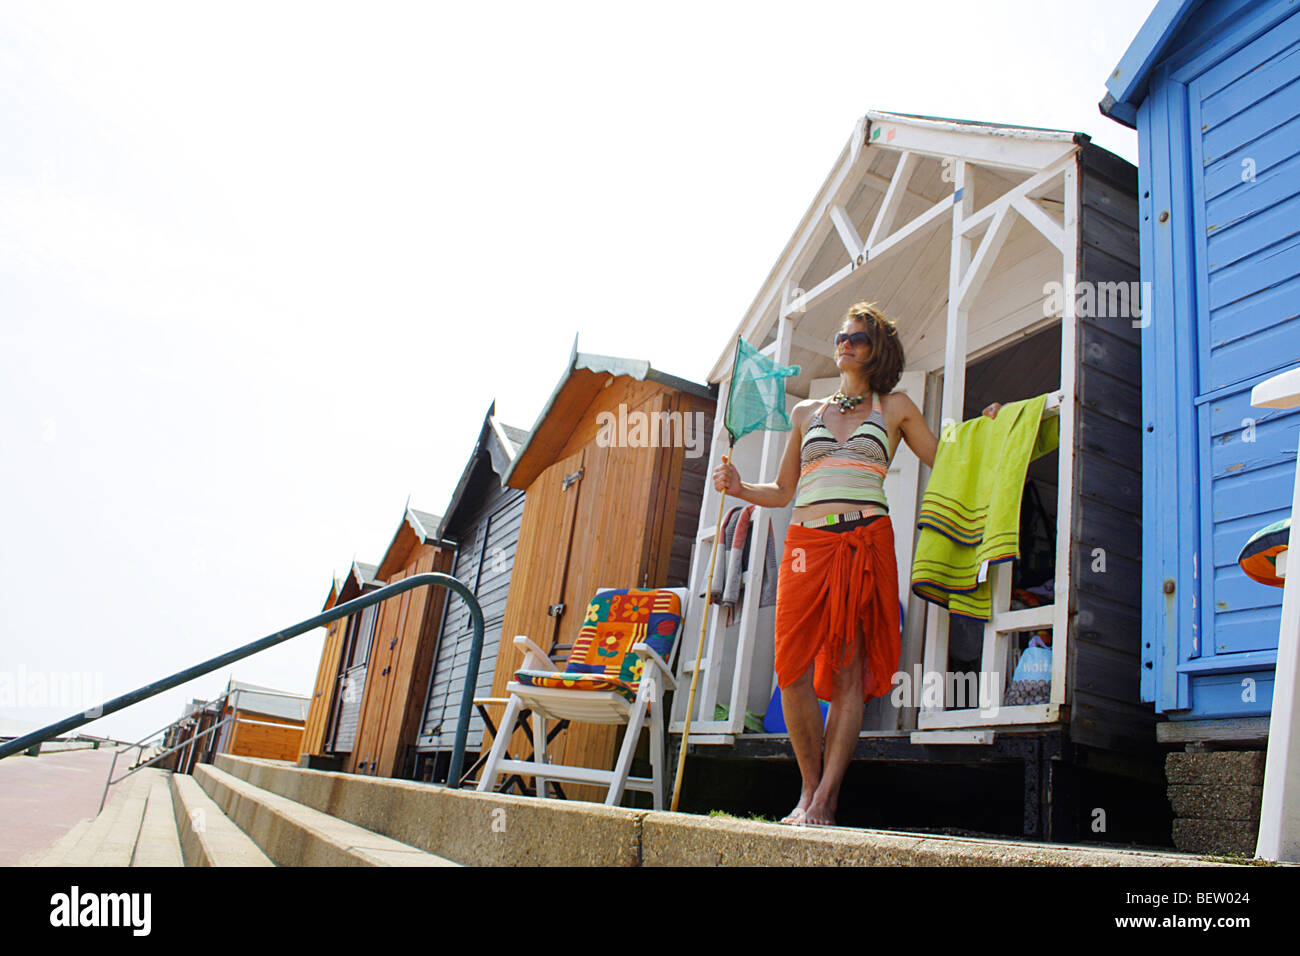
[(846, 402)]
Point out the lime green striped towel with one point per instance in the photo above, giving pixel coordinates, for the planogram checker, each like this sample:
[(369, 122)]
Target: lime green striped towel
[(970, 513)]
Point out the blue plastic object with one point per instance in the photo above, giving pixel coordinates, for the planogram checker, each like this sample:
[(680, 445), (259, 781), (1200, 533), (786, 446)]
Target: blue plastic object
[(774, 719)]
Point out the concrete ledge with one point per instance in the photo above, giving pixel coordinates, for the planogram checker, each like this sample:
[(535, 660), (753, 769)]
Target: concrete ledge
[(1224, 802), (683, 839), (489, 829), (1217, 837), (1232, 768), (294, 834), (158, 843), (476, 829), (207, 836)]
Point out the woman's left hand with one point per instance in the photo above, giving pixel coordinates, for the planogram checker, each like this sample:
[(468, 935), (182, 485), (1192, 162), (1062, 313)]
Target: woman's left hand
[(992, 410)]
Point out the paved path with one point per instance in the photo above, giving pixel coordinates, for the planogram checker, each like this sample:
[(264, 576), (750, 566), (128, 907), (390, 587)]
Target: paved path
[(42, 798)]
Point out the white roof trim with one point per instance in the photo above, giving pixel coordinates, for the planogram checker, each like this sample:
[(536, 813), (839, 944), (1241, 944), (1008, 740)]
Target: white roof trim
[(506, 443), (1028, 133)]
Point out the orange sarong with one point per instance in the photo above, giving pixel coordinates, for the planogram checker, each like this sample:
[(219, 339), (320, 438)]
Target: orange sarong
[(828, 583)]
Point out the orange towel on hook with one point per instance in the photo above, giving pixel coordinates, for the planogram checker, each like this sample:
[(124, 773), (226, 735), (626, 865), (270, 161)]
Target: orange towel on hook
[(829, 581)]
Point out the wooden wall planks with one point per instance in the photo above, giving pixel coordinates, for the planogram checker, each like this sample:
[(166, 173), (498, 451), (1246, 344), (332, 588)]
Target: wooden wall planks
[(616, 527), (398, 670), (318, 711)]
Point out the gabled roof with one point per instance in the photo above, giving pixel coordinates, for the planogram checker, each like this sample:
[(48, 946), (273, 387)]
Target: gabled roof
[(359, 579), (517, 436), (1021, 150), (1127, 84), (427, 523), (501, 444), (585, 376), (332, 598), (417, 528)]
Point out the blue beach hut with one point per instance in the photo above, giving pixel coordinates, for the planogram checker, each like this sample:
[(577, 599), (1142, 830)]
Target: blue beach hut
[(1213, 90)]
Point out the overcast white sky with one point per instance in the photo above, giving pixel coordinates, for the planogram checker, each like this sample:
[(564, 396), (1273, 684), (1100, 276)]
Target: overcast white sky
[(263, 267)]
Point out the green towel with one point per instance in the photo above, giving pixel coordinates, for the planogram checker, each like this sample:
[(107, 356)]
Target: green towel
[(753, 722), (971, 510)]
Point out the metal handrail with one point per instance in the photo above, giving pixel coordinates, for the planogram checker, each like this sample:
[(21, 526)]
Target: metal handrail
[(423, 579), (221, 703), (184, 743)]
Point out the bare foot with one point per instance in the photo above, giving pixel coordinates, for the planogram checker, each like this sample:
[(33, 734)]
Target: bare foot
[(796, 817), (819, 815)]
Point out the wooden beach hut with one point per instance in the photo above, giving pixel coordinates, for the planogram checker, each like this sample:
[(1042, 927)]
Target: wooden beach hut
[(347, 667), (401, 653), (1213, 90), (318, 711), (482, 521), (611, 502), (987, 243), (265, 722)]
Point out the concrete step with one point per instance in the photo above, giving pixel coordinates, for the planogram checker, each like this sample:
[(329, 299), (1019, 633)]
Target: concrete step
[(293, 834), (476, 829), (158, 843), (55, 854), (110, 839), (207, 836)]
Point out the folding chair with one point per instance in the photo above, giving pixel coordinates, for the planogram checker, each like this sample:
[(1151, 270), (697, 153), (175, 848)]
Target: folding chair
[(616, 673), (524, 722)]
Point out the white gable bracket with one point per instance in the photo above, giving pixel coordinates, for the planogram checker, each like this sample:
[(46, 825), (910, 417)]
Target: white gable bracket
[(1036, 217), (893, 198), (848, 234)]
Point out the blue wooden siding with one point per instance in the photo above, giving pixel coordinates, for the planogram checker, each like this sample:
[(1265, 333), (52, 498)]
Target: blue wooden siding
[(1220, 137), (488, 534)]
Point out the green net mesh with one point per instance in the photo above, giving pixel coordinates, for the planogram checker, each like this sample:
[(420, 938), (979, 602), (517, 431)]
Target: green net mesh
[(757, 397)]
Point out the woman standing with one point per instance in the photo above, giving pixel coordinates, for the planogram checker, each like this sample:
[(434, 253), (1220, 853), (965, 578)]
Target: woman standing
[(837, 618)]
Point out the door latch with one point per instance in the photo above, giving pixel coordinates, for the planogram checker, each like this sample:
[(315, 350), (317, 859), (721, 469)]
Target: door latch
[(570, 479), (555, 610)]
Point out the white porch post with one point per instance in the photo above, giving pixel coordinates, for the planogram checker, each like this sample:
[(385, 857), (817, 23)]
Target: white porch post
[(954, 355), (954, 388), (1063, 587), (1279, 815)]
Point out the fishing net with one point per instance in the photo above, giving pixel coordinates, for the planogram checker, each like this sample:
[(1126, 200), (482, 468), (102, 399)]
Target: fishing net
[(757, 397)]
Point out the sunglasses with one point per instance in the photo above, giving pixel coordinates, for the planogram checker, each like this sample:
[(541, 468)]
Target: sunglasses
[(855, 339)]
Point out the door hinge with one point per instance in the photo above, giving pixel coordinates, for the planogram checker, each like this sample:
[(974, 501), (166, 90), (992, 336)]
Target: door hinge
[(570, 479)]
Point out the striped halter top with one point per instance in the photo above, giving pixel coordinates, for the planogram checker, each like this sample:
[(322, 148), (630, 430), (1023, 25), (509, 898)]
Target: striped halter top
[(849, 475)]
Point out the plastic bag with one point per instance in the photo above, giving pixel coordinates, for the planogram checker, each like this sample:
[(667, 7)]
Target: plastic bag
[(1032, 681)]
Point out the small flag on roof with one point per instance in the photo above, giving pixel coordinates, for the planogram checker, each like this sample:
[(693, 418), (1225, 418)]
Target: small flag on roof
[(756, 400)]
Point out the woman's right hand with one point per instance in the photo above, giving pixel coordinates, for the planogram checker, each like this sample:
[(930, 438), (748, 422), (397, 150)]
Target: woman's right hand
[(726, 479)]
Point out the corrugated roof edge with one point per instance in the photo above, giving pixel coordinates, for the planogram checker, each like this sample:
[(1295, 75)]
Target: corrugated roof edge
[(425, 524), (365, 573)]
